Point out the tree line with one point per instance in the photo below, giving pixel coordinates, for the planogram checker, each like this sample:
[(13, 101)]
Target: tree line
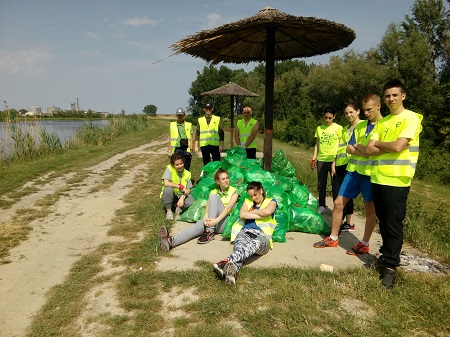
[(415, 51)]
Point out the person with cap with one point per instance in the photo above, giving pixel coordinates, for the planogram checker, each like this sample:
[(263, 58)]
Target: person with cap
[(181, 139), (209, 135), (246, 131)]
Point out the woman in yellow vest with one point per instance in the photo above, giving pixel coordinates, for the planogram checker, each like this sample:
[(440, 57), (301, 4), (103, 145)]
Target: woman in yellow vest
[(246, 131), (252, 234), (221, 202), (176, 186)]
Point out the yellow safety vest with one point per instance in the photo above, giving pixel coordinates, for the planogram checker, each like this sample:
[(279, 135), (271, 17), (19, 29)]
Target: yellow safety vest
[(225, 197), (396, 169), (360, 164), (266, 224), (209, 134), (329, 137), (175, 178), (342, 156), (245, 131), (175, 135)]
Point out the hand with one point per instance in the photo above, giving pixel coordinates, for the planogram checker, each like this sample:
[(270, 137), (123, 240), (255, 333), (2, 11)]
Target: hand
[(313, 164), (181, 187), (242, 146)]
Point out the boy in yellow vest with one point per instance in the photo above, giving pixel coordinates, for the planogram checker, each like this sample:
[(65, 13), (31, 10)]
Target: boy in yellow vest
[(181, 138), (209, 135), (246, 131), (328, 136), (357, 180), (394, 150)]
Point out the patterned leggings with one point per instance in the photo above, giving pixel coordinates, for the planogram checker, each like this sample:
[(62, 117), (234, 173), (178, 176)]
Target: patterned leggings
[(249, 242)]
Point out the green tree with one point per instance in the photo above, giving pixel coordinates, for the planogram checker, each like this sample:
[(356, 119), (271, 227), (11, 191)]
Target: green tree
[(150, 110)]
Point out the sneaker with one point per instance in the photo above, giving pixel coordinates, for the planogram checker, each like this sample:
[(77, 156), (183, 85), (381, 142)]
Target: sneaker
[(326, 242), (206, 237), (389, 278), (359, 249), (218, 268), (321, 210), (178, 210), (230, 271), (165, 241), (380, 266), (346, 227), (169, 215)]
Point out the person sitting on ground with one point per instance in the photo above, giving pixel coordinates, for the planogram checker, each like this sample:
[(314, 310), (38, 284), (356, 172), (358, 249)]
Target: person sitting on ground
[(176, 186), (221, 202), (251, 234)]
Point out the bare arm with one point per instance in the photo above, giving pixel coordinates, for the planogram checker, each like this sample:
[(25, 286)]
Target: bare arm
[(316, 149), (236, 137), (396, 146), (258, 213), (252, 136), (358, 150), (212, 222)]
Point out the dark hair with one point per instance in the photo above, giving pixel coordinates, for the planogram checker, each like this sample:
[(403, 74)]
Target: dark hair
[(394, 84), (256, 185), (330, 110), (218, 173), (176, 156), (353, 104)]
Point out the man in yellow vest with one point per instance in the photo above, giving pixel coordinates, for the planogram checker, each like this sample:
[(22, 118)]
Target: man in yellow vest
[(181, 138), (328, 136), (394, 150), (357, 180), (246, 131), (209, 136)]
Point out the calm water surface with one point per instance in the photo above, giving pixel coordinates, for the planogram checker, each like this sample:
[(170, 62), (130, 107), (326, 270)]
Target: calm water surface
[(62, 129)]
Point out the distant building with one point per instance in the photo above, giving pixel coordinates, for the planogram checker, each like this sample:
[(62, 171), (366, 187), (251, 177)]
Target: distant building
[(53, 110), (34, 110)]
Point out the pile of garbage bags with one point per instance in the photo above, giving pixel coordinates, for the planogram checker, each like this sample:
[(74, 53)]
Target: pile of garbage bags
[(297, 207)]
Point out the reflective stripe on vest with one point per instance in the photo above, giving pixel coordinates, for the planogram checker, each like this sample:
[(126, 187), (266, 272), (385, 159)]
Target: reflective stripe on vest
[(360, 164), (174, 177), (266, 224), (245, 131), (174, 135), (209, 134)]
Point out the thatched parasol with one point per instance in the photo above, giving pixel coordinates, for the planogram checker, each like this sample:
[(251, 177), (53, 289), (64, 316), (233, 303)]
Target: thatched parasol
[(231, 89), (267, 36)]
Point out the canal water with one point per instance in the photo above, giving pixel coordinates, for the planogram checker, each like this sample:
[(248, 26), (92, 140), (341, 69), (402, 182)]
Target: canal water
[(64, 130)]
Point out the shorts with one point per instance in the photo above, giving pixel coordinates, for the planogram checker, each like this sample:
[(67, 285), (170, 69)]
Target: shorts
[(354, 184)]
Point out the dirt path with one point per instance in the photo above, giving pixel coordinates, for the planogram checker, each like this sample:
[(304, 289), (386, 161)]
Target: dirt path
[(77, 225)]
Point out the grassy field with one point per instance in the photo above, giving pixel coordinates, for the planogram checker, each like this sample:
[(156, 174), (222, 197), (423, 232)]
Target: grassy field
[(265, 302)]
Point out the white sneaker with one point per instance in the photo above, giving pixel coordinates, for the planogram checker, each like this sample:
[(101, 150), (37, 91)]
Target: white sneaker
[(321, 210), (169, 215), (178, 210)]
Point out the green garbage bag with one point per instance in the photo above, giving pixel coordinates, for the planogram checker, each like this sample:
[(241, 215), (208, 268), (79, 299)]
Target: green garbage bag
[(204, 186), (250, 163), (282, 219), (210, 169), (279, 194), (236, 176), (287, 183), (195, 212), (266, 178), (233, 217), (281, 165), (307, 220), (301, 196), (235, 156)]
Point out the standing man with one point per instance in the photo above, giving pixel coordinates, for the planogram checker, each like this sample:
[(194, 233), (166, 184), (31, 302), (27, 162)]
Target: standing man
[(246, 131), (357, 180), (209, 135), (328, 137), (181, 138), (394, 149)]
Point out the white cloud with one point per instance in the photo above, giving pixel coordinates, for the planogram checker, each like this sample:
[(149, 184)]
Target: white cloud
[(92, 36), (213, 20), (91, 53), (24, 61), (144, 21)]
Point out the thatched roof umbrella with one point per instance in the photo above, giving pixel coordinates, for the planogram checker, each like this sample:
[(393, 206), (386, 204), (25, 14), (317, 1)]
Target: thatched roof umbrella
[(231, 89), (267, 36)]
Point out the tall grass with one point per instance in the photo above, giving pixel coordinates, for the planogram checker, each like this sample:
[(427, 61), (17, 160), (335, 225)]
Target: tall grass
[(37, 143)]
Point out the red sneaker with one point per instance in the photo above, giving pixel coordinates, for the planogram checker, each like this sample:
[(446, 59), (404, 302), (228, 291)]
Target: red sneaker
[(359, 249), (326, 242)]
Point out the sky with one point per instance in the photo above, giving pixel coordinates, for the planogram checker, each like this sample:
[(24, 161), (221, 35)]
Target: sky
[(104, 52)]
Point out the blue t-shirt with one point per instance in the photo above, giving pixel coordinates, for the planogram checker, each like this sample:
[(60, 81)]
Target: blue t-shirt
[(251, 223), (369, 129)]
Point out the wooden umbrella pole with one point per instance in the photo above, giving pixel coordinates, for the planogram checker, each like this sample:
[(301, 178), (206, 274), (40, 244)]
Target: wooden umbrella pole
[(232, 122), (268, 113)]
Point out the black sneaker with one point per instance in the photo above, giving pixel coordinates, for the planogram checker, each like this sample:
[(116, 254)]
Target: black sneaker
[(380, 266), (165, 241), (389, 278), (346, 227), (206, 237)]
